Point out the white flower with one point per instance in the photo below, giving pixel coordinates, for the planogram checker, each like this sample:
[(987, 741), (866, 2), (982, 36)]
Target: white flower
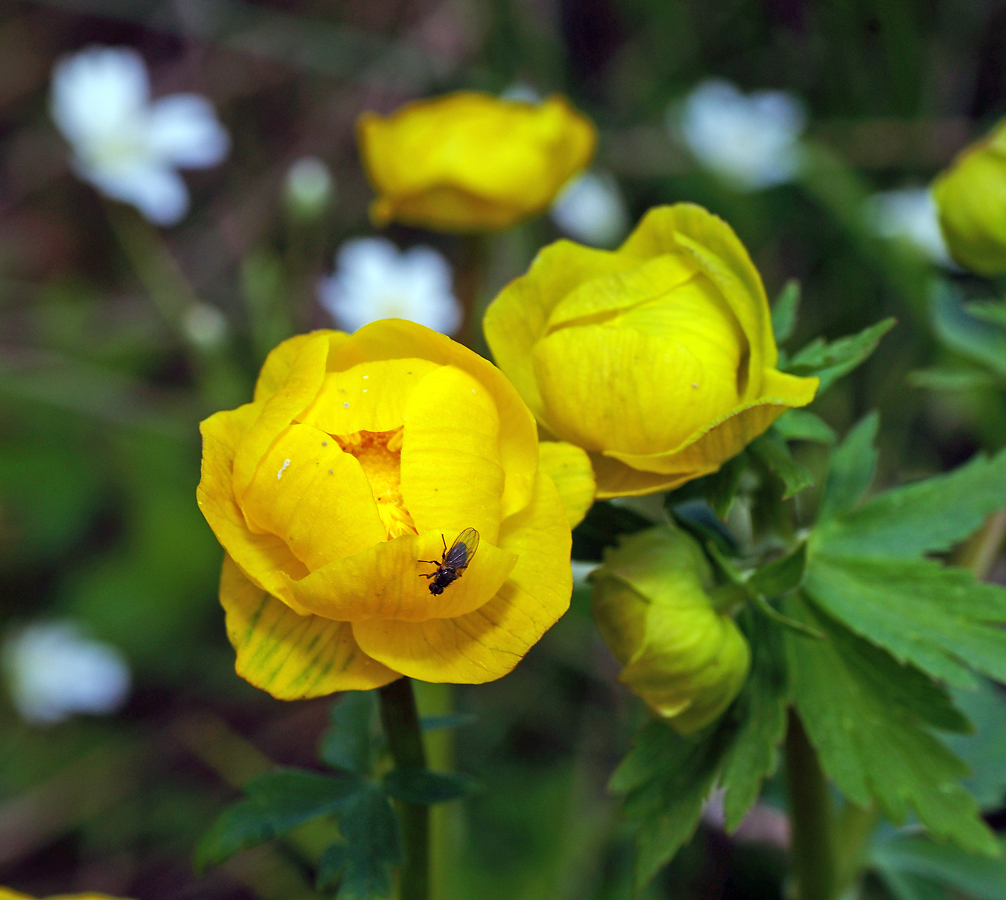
[(911, 215), (309, 186), (590, 209), (521, 92), (374, 280), (54, 671), (750, 141), (125, 145)]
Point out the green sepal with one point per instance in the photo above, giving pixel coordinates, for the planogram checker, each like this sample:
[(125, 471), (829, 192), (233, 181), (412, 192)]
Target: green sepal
[(425, 788), (774, 455), (830, 361)]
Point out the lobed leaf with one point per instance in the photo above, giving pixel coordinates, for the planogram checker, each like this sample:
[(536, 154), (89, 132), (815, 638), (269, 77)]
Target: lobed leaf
[(802, 425), (784, 311), (423, 787), (851, 469), (775, 456), (348, 742), (931, 867), (830, 361)]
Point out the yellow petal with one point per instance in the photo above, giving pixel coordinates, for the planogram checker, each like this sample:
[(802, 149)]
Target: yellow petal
[(616, 479), (305, 378), (279, 362), (315, 497), (262, 556), (518, 441), (386, 582), (487, 643), (451, 473), (369, 396), (289, 655), (569, 468)]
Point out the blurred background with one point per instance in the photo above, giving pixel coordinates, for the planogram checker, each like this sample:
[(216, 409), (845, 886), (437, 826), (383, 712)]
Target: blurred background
[(812, 126)]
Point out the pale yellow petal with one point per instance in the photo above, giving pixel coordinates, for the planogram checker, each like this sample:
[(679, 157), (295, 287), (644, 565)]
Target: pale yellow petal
[(570, 470)]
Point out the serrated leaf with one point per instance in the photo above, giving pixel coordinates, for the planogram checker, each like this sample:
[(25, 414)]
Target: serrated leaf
[(784, 311), (829, 362), (869, 719), (969, 336), (933, 616), (851, 469), (801, 425), (775, 456), (781, 575), (929, 516), (984, 751), (423, 787), (666, 779), (362, 866), (761, 708), (277, 803), (918, 857), (348, 741)]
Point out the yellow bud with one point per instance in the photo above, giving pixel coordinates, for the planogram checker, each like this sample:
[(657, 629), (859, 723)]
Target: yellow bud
[(652, 605), (971, 197), (658, 358), (472, 162)]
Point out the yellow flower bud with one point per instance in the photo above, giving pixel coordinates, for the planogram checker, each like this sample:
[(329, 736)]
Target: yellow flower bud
[(681, 655), (658, 358), (335, 493), (472, 162), (971, 197)]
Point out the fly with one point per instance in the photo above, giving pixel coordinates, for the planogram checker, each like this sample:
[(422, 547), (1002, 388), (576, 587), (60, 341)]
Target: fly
[(454, 560)]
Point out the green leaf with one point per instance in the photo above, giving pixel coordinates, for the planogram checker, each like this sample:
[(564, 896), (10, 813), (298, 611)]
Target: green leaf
[(869, 719), (991, 311), (947, 379), (984, 751), (829, 362), (277, 802), (720, 488), (910, 887), (918, 857), (929, 516), (775, 456), (969, 336), (361, 867), (348, 741), (801, 425), (423, 787), (784, 311), (935, 617), (851, 469), (782, 575), (444, 723), (666, 779), (761, 708)]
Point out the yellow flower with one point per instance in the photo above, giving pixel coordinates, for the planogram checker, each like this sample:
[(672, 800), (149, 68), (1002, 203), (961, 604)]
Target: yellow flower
[(8, 894), (971, 197), (360, 457), (472, 162), (658, 359), (651, 604)]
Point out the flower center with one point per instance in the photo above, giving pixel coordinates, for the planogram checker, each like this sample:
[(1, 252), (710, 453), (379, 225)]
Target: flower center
[(380, 455)]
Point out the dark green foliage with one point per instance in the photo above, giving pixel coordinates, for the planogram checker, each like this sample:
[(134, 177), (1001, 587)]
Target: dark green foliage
[(601, 528), (773, 454), (349, 743), (426, 788), (785, 310), (830, 361)]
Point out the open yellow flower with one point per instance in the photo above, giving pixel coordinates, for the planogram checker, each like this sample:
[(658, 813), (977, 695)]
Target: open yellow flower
[(472, 162), (658, 358), (651, 603), (971, 197), (359, 457)]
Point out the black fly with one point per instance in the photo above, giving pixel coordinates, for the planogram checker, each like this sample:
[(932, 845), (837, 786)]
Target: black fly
[(454, 561)]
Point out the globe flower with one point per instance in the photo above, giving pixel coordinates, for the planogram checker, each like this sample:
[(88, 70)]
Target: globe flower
[(657, 359), (683, 657), (358, 461), (971, 196), (472, 162)]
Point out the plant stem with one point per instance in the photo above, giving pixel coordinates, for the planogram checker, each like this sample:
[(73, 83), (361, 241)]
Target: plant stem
[(405, 741), (812, 849)]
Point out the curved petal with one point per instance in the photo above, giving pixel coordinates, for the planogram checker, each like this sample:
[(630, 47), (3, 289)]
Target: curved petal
[(451, 473), (386, 582), (184, 131), (616, 479), (457, 211), (489, 642), (278, 364), (263, 557), (569, 468), (292, 656), (518, 442), (314, 497)]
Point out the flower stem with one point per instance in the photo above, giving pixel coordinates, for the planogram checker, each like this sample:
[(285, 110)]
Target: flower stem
[(812, 841), (405, 741)]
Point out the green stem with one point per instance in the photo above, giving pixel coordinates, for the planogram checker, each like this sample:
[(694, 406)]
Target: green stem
[(405, 741), (812, 849)]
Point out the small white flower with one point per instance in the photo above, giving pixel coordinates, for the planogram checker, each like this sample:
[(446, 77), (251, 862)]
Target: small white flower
[(911, 215), (750, 141), (54, 670), (309, 186), (590, 209), (521, 92), (125, 145), (374, 280)]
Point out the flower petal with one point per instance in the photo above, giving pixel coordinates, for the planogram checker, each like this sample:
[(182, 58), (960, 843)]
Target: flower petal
[(616, 479), (183, 130), (451, 473), (569, 468), (280, 361), (289, 655), (386, 581), (315, 497), (489, 642)]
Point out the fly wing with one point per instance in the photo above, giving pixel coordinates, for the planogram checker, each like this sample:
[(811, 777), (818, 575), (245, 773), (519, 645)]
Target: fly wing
[(463, 549)]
